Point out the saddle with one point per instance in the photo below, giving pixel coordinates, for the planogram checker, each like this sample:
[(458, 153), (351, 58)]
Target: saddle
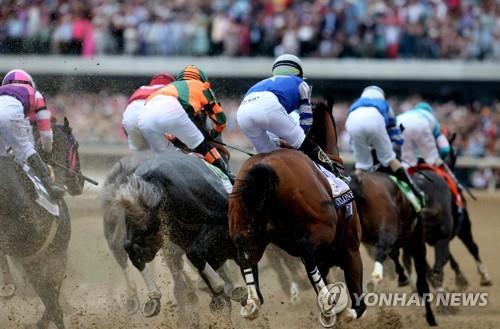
[(455, 190)]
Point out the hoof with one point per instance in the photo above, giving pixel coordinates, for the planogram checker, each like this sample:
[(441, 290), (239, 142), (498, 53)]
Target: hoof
[(461, 281), (333, 298), (372, 285), (238, 294), (327, 321), (251, 310), (7, 291), (133, 304), (219, 303), (294, 294), (349, 314), (486, 282), (151, 307)]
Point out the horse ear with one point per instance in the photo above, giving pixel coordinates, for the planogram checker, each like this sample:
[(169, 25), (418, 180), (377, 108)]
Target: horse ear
[(66, 126), (452, 138)]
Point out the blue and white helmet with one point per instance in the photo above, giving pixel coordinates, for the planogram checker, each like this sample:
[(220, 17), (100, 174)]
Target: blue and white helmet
[(373, 92), (288, 64)]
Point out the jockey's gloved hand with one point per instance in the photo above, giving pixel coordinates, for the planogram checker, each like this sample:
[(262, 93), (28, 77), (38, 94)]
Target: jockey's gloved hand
[(212, 133)]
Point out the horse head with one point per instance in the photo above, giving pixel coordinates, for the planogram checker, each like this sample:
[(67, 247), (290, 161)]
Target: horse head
[(324, 129), (138, 199), (65, 152)]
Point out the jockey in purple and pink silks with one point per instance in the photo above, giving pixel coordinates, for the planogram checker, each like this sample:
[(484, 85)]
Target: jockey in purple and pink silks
[(21, 103)]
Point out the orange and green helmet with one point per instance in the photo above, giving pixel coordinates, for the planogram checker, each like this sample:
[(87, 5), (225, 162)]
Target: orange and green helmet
[(192, 72)]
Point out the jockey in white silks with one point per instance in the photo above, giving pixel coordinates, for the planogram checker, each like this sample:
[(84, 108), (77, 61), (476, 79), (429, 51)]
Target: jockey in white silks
[(371, 125)]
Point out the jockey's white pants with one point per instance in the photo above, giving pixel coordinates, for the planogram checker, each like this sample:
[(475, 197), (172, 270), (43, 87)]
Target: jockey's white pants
[(15, 129), (165, 115), (260, 113), (366, 127), (136, 141), (419, 140)]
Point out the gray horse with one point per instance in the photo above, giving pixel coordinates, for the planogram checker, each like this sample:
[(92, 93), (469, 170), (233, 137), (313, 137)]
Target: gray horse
[(37, 239), (115, 234), (175, 196)]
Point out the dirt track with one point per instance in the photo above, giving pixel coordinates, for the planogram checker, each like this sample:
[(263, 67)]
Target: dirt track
[(94, 287)]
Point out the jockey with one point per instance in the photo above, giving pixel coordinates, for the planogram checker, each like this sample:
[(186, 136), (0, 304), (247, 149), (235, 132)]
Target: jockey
[(171, 110), (371, 125), (136, 103), (267, 106), (19, 101), (422, 135)]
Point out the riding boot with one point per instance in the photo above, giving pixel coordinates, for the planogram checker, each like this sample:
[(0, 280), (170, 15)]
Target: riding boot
[(212, 156), (40, 168), (402, 175), (313, 151)]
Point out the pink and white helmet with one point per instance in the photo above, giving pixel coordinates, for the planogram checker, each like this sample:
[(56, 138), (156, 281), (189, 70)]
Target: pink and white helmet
[(18, 76)]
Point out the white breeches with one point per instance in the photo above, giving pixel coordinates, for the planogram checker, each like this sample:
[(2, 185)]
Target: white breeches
[(165, 115), (15, 129), (419, 141), (136, 141), (260, 113), (366, 127)]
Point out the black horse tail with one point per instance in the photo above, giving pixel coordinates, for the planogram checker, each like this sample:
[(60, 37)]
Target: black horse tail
[(258, 187)]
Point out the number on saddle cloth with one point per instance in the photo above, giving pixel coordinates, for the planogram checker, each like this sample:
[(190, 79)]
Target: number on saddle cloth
[(342, 193), (408, 193), (41, 195)]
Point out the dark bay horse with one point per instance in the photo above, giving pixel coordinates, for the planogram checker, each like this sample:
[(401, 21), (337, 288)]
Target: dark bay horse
[(387, 218), (282, 198), (37, 239), (178, 196)]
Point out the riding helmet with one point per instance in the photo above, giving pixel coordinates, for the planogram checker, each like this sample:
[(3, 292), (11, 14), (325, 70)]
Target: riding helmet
[(162, 79), (192, 72), (18, 76), (288, 64), (373, 92)]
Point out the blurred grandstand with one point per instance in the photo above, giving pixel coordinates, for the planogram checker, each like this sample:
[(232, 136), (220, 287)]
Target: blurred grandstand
[(446, 52)]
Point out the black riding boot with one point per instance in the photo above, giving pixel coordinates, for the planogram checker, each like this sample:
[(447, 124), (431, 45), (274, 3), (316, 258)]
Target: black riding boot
[(313, 151), (211, 153), (40, 168), (402, 175)]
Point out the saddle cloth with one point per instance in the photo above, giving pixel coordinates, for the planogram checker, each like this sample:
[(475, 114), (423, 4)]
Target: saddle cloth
[(408, 193), (342, 193), (42, 197), (221, 176)]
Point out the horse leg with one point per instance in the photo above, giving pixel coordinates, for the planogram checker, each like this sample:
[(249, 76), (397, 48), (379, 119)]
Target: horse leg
[(418, 251), (465, 234), (327, 295), (402, 278), (353, 273), (183, 288), (442, 254), (460, 279), (46, 278), (203, 251), (153, 305), (7, 289), (383, 246)]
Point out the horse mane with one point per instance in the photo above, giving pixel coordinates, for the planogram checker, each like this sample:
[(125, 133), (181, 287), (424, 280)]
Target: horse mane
[(318, 128), (136, 197)]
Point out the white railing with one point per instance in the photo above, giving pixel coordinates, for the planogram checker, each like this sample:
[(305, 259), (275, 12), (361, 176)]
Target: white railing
[(255, 67)]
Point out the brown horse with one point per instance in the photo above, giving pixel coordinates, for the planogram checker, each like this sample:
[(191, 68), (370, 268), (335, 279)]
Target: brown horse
[(389, 223), (282, 198)]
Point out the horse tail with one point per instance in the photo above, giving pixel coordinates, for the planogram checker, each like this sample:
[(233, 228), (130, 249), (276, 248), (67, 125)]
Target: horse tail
[(136, 197), (258, 187)]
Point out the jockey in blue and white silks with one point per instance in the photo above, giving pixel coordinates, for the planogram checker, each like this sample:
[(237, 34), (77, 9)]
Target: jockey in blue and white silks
[(371, 124), (422, 136), (267, 105)]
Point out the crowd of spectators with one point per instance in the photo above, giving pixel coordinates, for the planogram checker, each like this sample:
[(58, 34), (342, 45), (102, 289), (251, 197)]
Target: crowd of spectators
[(468, 29)]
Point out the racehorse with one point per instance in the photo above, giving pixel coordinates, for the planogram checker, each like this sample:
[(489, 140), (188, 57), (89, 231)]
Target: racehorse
[(115, 234), (282, 198), (36, 238), (176, 196), (387, 218)]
